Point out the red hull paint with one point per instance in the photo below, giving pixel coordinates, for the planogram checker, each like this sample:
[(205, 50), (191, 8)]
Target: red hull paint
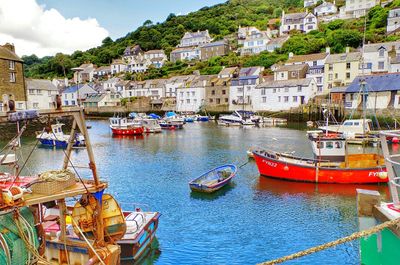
[(130, 131), (288, 171)]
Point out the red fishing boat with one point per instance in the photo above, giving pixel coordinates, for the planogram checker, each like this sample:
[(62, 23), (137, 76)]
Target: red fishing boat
[(331, 163), (125, 126)]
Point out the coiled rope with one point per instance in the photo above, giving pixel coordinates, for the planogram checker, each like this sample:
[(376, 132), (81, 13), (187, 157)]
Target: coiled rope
[(56, 175), (342, 240)]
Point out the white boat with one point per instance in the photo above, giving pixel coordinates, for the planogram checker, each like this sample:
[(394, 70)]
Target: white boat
[(349, 128), (238, 118), (150, 125), (57, 138)]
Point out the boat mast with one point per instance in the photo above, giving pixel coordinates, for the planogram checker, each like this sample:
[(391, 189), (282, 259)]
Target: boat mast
[(362, 80)]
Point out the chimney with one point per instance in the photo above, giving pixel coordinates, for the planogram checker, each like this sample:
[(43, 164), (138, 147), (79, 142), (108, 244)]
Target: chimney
[(291, 55), (328, 50), (9, 46), (347, 49)]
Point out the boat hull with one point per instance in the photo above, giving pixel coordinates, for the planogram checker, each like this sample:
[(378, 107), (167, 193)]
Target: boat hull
[(212, 180), (128, 131), (58, 143), (271, 167), (134, 250), (205, 189)]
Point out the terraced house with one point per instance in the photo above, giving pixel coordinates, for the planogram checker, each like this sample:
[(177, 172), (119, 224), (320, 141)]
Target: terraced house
[(12, 83)]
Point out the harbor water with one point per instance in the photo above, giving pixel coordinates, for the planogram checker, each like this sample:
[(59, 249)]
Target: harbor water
[(254, 219)]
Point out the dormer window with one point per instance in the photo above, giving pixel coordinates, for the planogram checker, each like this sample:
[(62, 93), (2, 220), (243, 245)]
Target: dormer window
[(381, 52)]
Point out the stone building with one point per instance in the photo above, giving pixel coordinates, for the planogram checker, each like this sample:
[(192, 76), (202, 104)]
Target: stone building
[(12, 83)]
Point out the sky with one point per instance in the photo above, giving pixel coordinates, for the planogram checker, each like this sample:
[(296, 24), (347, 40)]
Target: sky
[(45, 27)]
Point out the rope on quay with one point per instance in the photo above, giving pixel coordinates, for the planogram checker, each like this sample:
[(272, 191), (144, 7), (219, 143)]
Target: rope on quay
[(339, 241)]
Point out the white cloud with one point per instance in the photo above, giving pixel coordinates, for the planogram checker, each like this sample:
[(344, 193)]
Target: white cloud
[(35, 30)]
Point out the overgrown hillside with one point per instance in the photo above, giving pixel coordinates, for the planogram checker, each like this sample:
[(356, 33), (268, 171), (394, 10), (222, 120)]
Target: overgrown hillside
[(221, 20)]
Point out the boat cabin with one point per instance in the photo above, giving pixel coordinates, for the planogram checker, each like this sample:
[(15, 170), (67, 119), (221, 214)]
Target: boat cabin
[(57, 130), (330, 147)]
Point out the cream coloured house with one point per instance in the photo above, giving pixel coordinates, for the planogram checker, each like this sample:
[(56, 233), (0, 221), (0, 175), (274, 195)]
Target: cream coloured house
[(41, 93), (341, 69)]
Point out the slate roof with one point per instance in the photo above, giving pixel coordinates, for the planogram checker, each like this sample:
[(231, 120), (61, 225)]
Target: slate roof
[(344, 57), (387, 45), (118, 61), (213, 44), (184, 49), (286, 83), (40, 84), (8, 54), (197, 34), (94, 98), (338, 90), (278, 41), (248, 71), (292, 67), (228, 71), (324, 4), (307, 58), (155, 52), (73, 89), (376, 83)]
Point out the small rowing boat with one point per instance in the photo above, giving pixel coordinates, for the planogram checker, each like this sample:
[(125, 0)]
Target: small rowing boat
[(214, 179)]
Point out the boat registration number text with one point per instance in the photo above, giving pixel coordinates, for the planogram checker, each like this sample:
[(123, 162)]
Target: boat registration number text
[(269, 163)]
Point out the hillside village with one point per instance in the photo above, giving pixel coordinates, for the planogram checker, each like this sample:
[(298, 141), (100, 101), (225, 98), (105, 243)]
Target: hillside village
[(285, 85)]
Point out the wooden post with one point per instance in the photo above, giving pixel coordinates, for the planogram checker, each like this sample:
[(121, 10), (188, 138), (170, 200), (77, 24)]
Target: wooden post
[(366, 201), (63, 224), (70, 144)]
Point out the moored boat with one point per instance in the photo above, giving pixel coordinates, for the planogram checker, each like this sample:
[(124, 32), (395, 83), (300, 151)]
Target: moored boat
[(239, 118), (140, 234), (57, 138), (331, 163), (203, 118), (214, 179), (125, 126), (150, 125)]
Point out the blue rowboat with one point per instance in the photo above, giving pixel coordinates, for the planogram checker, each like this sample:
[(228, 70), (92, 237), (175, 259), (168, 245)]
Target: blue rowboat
[(203, 118), (214, 179)]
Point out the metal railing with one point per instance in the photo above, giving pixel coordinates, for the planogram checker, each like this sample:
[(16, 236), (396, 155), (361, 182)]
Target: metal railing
[(391, 163)]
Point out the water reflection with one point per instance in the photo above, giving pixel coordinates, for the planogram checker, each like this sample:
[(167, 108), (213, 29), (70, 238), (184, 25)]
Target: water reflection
[(215, 195)]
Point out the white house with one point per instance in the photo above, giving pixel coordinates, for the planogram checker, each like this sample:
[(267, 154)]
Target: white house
[(377, 56), (325, 9), (276, 43), (155, 88), (40, 93), (195, 38), (357, 8), (308, 3), (138, 64), (383, 91), (254, 42), (242, 88), (110, 84), (157, 58), (103, 71), (316, 65), (118, 66), (304, 22), (192, 97), (393, 21), (106, 99), (85, 74), (185, 54), (121, 88), (283, 95), (75, 95), (176, 82)]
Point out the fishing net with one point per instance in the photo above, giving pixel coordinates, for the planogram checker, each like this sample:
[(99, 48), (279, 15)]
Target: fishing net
[(18, 251)]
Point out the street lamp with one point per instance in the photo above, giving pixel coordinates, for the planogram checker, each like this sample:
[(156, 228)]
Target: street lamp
[(78, 70)]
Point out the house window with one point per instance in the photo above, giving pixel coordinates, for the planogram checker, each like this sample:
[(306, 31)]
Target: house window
[(279, 99), (336, 75), (330, 67), (226, 100), (348, 65), (223, 92), (35, 105), (73, 102), (319, 80), (347, 75), (319, 88), (193, 93), (263, 91), (282, 75), (39, 92), (194, 101), (298, 88), (286, 98), (381, 65), (218, 101), (264, 99), (188, 101), (211, 100), (11, 65), (286, 89), (381, 53), (314, 63), (213, 92), (32, 92), (294, 74), (330, 77), (12, 77), (274, 90), (294, 98)]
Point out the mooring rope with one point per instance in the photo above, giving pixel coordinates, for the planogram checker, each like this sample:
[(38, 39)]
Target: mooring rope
[(339, 241)]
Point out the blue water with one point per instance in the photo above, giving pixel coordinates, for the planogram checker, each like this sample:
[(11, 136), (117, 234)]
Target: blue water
[(253, 220)]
